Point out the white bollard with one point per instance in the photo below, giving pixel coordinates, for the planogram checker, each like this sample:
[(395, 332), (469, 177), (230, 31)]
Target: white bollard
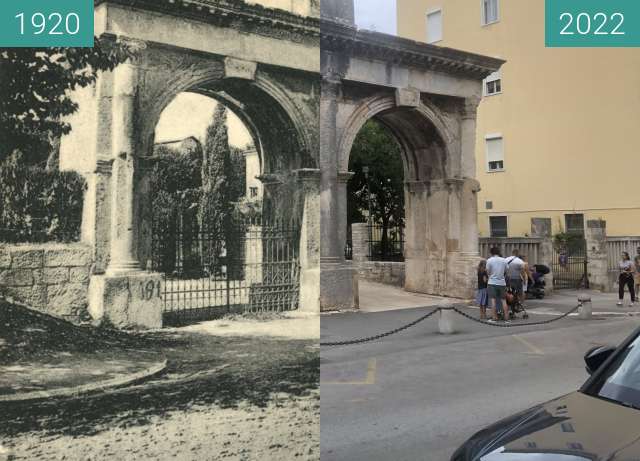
[(585, 310), (446, 323)]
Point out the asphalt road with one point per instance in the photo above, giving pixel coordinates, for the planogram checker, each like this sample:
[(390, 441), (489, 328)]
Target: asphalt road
[(418, 395)]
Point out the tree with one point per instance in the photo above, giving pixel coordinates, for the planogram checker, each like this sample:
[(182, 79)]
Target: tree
[(376, 148), (37, 84)]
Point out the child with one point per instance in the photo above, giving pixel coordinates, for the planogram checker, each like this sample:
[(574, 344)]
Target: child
[(482, 299)]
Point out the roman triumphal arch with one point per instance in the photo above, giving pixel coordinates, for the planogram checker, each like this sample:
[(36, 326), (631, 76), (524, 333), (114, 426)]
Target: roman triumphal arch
[(262, 63), (427, 96)]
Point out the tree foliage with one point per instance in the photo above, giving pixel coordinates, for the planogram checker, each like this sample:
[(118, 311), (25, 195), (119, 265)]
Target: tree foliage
[(36, 86), (376, 148)]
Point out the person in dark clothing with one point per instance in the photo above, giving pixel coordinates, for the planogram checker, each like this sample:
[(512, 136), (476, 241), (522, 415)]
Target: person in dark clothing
[(627, 270), (482, 298)]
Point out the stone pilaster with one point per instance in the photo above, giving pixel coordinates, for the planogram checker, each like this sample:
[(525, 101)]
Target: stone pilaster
[(309, 183), (541, 228), (598, 267), (360, 242), (338, 279)]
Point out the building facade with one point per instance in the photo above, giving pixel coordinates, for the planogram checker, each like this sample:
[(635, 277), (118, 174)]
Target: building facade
[(557, 128)]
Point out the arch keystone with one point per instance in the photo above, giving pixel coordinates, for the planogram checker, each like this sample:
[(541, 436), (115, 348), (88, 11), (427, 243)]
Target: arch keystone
[(407, 97), (238, 68)]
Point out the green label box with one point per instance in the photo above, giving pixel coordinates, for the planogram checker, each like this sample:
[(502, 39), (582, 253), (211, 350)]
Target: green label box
[(46, 23), (592, 23)]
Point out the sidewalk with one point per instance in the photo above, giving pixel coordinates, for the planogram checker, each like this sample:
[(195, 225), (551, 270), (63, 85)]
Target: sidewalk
[(377, 297), (42, 357)]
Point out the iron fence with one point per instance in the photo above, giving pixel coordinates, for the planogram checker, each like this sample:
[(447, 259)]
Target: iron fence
[(385, 243), (570, 265), (244, 266)]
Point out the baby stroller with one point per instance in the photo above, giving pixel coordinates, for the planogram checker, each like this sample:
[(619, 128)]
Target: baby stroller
[(515, 306), (536, 288)]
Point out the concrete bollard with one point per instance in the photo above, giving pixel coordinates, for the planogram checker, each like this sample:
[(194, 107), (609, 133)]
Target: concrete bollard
[(585, 310), (446, 322)]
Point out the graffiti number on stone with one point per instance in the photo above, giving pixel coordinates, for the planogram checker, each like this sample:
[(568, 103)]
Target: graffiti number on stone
[(149, 289)]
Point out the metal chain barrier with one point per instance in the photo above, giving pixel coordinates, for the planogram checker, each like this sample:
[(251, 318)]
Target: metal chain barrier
[(458, 311), (512, 325), (381, 335)]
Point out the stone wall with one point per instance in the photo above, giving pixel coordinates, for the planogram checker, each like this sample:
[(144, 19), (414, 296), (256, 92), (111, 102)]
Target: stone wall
[(52, 278), (389, 273)]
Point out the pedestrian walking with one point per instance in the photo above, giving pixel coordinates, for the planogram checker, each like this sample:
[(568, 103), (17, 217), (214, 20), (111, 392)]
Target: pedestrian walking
[(482, 298), (626, 278), (497, 284), (636, 261)]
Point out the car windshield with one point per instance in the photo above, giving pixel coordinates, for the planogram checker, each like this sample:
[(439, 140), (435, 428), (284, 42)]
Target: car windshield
[(621, 381)]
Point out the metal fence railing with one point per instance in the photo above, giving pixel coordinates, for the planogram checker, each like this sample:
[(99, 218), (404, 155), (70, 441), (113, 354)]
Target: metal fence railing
[(615, 247), (527, 246), (385, 244)]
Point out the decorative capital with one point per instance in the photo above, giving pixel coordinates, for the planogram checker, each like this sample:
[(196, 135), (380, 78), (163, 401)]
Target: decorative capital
[(345, 176), (104, 166), (308, 175), (270, 179), (469, 108)]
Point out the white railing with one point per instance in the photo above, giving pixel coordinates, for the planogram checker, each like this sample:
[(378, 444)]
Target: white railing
[(615, 247), (527, 246)]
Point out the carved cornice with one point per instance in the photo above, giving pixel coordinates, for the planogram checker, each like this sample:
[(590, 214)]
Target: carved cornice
[(307, 175), (235, 14), (337, 37), (345, 176), (104, 166)]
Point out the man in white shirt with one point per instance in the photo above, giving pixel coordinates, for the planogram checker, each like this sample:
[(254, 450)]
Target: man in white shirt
[(516, 274), (497, 285)]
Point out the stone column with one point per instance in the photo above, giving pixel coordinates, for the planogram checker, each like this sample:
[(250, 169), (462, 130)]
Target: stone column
[(125, 296), (338, 283), (468, 188), (122, 245), (598, 264), (360, 242), (309, 183), (541, 228)]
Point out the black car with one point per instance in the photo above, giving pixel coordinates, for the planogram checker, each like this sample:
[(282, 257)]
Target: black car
[(599, 422)]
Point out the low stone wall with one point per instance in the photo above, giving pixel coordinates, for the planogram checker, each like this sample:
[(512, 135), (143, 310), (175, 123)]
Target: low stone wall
[(52, 278), (389, 273)]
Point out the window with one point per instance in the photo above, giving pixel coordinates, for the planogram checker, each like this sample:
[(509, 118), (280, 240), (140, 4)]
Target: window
[(434, 26), (493, 84), (574, 223), (495, 153), (498, 226), (253, 191), (489, 12)]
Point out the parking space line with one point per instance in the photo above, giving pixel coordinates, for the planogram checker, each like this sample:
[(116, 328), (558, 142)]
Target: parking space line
[(372, 367), (531, 347)]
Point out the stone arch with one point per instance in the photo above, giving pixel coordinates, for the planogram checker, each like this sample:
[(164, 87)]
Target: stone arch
[(405, 124)]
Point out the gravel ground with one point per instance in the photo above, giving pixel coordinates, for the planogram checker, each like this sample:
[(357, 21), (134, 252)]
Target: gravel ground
[(287, 428), (231, 397)]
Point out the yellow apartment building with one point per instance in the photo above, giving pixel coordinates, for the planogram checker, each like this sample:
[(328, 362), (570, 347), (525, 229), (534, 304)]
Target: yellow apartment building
[(558, 129)]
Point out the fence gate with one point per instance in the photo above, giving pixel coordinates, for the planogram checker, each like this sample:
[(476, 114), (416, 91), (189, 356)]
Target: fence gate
[(570, 265), (247, 266)]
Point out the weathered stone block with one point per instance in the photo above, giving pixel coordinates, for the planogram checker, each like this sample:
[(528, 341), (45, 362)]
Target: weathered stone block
[(73, 256), (34, 296), (26, 257), (66, 298), (79, 274), (128, 301), (55, 275), (16, 277)]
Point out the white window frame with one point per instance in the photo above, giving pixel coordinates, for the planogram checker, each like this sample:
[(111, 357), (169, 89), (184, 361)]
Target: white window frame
[(483, 21), (489, 137), (430, 12), (492, 78), (506, 217)]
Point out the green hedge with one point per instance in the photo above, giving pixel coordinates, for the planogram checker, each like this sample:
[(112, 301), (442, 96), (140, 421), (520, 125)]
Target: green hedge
[(38, 205)]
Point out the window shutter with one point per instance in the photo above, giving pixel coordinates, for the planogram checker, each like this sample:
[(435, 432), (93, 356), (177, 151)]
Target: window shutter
[(434, 26), (495, 152)]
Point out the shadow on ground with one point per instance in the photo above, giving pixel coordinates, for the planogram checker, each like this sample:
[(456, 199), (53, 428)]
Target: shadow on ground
[(202, 370)]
